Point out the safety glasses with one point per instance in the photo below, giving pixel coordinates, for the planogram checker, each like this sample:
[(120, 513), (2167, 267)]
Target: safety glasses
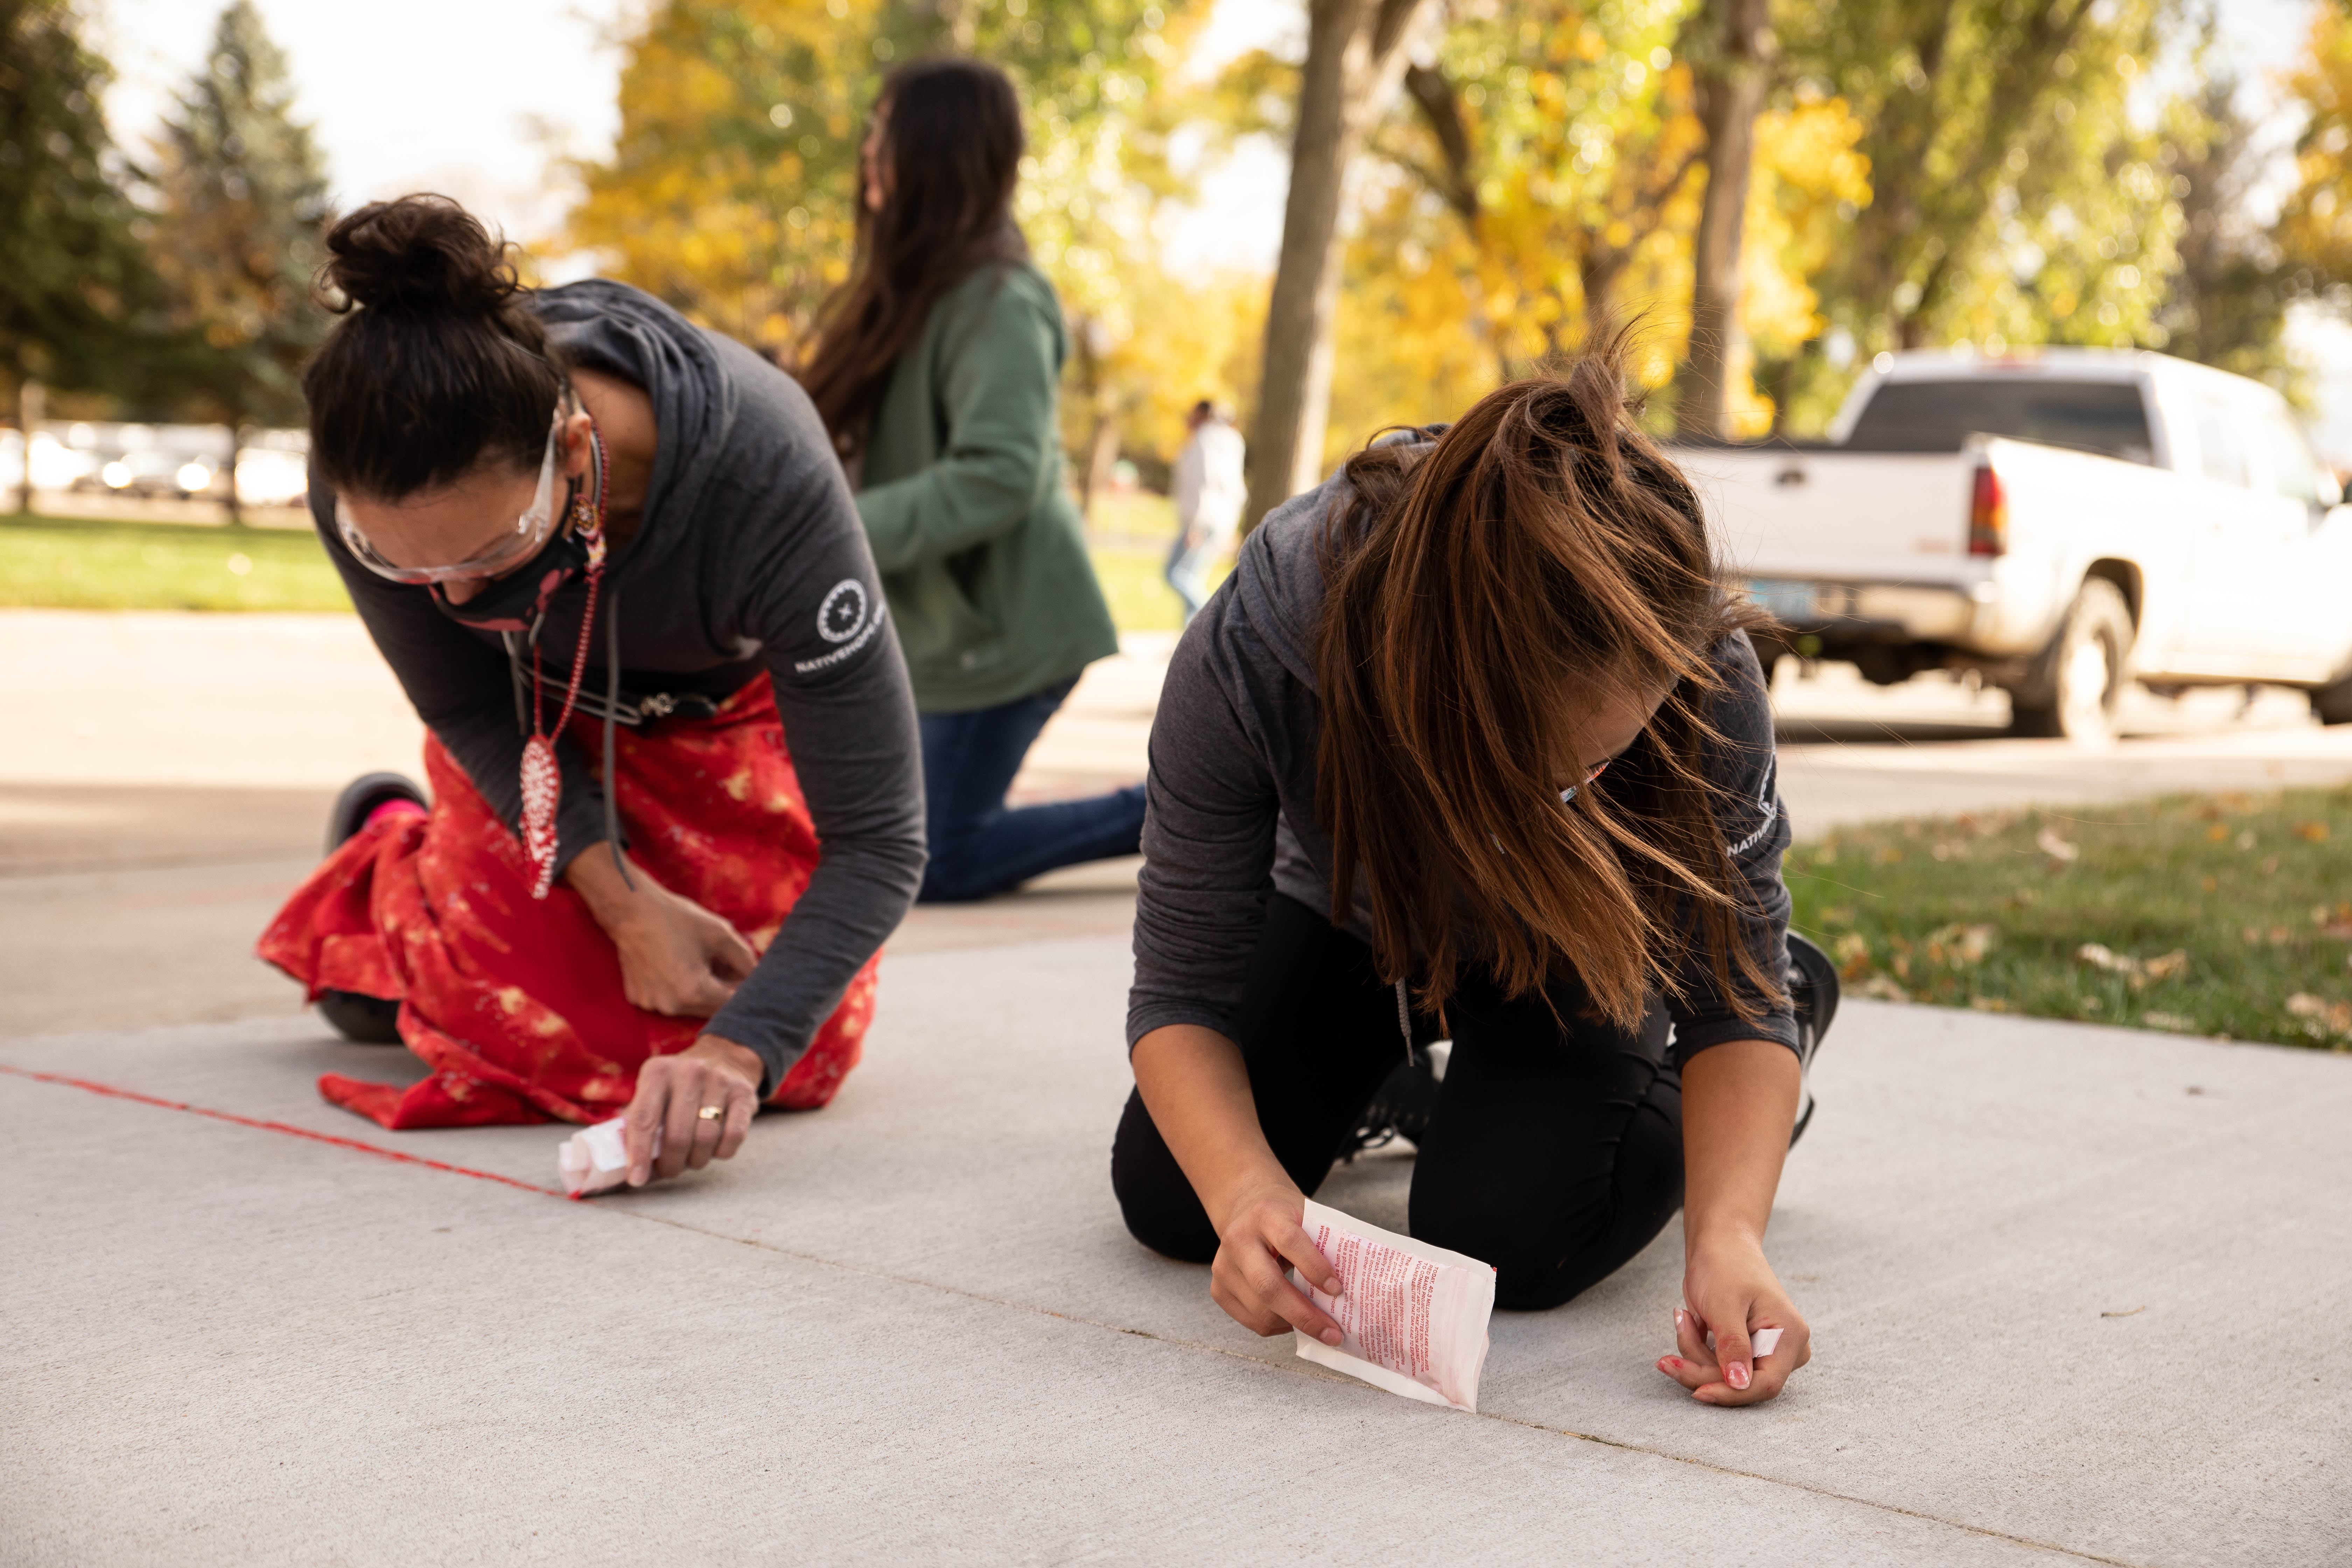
[(531, 531)]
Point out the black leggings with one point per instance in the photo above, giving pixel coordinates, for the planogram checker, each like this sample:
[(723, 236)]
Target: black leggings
[(1555, 1152)]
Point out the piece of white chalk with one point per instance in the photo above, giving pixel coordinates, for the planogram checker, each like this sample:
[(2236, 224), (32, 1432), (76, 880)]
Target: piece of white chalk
[(597, 1159), (1765, 1341)]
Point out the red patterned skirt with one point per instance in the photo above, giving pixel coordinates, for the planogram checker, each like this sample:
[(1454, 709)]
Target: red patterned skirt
[(516, 1003)]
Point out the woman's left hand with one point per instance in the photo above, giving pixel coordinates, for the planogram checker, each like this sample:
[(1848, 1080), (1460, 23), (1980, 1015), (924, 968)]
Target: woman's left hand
[(673, 1093), (1734, 1292)]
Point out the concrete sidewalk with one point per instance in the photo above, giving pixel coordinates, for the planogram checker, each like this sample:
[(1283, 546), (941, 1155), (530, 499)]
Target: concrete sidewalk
[(2071, 1289)]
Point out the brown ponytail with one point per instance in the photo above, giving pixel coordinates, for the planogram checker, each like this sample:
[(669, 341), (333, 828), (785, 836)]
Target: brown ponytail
[(1542, 551)]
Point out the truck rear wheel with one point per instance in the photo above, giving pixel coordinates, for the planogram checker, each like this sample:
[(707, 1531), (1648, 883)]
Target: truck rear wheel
[(2333, 704), (2080, 681)]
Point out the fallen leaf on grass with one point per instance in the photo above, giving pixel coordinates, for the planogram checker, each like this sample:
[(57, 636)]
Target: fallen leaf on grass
[(2171, 1021), (2320, 1017), (2219, 832), (1990, 1003), (1852, 955), (2165, 966), (2311, 832), (2057, 848), (1959, 945), (1884, 988)]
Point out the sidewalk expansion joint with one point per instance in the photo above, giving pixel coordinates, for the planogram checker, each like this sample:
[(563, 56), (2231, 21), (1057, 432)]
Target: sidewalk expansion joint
[(1298, 1370), (1307, 1371)]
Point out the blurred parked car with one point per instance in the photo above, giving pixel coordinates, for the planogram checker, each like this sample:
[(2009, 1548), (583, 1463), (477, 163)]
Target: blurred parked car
[(151, 472), (2061, 522), (270, 476)]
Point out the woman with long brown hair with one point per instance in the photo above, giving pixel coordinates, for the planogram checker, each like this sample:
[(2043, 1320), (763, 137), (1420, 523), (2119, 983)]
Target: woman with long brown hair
[(1475, 745), (936, 372)]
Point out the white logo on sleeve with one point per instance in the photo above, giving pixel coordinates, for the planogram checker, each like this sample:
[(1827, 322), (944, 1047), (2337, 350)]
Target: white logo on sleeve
[(1769, 805), (849, 618)]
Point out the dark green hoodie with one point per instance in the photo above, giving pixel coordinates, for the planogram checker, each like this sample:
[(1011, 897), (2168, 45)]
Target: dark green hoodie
[(979, 545)]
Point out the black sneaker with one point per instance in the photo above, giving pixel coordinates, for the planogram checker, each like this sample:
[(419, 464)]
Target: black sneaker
[(362, 1020), (1813, 988), (1402, 1109), (359, 799)]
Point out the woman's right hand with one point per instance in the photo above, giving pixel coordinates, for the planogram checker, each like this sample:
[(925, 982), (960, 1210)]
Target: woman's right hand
[(678, 959), (1197, 1089), (1261, 1237)]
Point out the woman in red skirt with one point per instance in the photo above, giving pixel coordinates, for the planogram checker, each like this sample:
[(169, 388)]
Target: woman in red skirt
[(614, 562)]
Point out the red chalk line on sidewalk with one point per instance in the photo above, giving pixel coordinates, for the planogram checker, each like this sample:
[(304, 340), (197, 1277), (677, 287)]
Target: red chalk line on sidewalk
[(289, 1129)]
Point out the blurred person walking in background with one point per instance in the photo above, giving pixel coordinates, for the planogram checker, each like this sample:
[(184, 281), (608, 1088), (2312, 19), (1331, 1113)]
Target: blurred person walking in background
[(937, 370), (1210, 493), (563, 514)]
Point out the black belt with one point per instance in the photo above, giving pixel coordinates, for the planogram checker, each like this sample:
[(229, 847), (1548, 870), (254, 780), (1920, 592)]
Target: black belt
[(632, 710)]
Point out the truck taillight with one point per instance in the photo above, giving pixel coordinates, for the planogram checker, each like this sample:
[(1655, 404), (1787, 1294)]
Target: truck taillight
[(1989, 516)]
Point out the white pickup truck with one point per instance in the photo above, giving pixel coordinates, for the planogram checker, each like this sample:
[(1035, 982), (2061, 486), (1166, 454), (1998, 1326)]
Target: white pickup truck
[(2062, 521)]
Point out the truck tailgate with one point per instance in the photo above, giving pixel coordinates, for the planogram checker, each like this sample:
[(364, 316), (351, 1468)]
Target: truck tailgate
[(1837, 516)]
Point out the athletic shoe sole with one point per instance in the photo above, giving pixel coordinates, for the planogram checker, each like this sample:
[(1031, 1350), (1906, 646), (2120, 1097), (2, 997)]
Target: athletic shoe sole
[(1813, 986), (362, 1020), (359, 799)]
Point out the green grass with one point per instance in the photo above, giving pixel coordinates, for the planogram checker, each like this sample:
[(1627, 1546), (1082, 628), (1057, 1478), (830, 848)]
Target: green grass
[(1140, 598), (78, 564), (2205, 914)]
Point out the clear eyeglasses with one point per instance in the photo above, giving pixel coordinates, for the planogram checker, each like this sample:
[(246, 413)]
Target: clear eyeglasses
[(531, 531)]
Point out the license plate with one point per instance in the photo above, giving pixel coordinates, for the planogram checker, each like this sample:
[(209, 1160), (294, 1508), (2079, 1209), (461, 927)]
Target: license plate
[(1784, 601)]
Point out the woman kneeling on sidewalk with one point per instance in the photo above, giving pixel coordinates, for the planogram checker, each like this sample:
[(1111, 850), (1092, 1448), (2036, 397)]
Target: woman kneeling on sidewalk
[(1397, 718), (612, 560)]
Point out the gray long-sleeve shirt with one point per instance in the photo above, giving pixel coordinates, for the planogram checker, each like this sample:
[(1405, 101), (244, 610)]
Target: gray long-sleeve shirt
[(1233, 811), (750, 557)]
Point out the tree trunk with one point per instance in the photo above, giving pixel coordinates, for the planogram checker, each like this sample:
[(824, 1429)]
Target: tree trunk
[(1102, 456), (29, 414), (1355, 59), (1732, 74), (236, 446)]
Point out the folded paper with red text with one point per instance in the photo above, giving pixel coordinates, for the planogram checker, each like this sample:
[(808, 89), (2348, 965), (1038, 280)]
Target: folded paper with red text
[(1414, 1316), (597, 1159)]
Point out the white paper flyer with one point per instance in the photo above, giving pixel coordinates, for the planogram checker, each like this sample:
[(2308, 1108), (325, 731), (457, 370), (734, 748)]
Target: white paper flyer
[(1414, 1316)]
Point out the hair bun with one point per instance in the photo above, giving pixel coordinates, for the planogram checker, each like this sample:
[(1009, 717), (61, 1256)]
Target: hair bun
[(420, 254)]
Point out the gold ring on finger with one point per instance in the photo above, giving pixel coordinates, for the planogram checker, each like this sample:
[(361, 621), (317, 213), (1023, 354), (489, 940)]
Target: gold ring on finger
[(712, 1112)]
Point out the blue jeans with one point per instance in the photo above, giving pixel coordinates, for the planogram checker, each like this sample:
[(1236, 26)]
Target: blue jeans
[(1188, 572), (980, 847)]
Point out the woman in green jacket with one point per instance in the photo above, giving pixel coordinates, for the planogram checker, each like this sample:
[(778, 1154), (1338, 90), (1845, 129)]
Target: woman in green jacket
[(936, 371)]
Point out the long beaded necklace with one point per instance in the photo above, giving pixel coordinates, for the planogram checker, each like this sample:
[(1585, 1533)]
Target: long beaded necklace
[(542, 776)]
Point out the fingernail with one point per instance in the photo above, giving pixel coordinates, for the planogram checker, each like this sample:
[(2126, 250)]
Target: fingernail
[(1330, 1336), (1670, 1365), (1736, 1375)]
